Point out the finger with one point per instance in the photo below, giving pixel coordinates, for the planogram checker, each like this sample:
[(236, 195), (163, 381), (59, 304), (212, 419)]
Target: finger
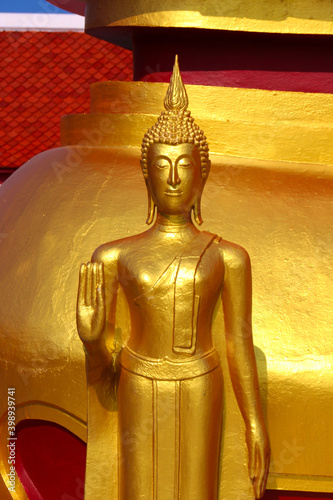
[(100, 299), (81, 298), (263, 486), (256, 472), (88, 285), (93, 284), (100, 287), (260, 474), (252, 463), (101, 274)]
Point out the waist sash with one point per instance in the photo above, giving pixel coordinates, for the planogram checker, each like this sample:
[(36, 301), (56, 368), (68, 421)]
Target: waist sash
[(167, 368)]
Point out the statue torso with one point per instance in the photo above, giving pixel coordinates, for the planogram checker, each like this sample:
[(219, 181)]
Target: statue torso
[(147, 267)]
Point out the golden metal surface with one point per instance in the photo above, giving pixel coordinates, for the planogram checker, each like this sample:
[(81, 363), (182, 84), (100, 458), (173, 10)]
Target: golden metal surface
[(267, 16), (279, 210), (247, 123)]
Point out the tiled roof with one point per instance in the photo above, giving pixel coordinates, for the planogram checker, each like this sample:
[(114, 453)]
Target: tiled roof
[(45, 75)]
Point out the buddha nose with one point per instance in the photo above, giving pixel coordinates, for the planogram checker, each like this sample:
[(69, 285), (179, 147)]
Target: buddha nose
[(174, 178)]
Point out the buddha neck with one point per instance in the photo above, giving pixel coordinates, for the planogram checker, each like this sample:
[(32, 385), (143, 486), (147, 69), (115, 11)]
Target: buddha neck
[(174, 223)]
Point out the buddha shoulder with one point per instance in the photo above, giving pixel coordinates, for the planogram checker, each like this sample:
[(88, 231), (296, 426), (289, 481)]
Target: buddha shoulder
[(108, 253), (113, 251), (235, 257)]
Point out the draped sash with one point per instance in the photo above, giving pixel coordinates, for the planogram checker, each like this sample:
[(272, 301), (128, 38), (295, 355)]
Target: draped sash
[(181, 274)]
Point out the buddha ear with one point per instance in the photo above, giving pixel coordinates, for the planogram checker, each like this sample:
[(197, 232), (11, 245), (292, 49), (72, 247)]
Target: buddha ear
[(144, 169), (151, 204), (197, 204), (151, 208), (206, 170), (197, 211)]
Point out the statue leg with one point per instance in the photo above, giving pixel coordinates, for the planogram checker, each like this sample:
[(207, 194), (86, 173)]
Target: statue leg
[(148, 415), (200, 431), (135, 418), (169, 437)]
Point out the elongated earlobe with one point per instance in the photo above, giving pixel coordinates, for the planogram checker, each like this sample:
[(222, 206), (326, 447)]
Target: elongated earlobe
[(197, 211), (151, 209)]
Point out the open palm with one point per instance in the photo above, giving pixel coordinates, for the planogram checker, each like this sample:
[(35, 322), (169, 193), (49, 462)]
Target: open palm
[(90, 313)]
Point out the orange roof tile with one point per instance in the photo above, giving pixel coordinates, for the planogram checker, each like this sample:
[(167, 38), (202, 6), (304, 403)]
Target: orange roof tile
[(46, 75)]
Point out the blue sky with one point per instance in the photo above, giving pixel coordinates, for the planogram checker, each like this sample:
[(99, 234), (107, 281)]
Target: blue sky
[(29, 6)]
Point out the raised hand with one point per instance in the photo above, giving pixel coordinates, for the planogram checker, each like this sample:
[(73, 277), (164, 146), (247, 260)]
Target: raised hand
[(259, 455), (90, 313)]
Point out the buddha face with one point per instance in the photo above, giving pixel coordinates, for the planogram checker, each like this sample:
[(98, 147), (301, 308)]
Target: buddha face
[(174, 177)]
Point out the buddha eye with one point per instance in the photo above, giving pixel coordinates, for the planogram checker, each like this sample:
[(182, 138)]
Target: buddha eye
[(185, 163), (161, 164)]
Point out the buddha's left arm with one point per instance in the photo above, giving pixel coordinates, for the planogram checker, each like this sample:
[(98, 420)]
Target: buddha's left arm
[(237, 305)]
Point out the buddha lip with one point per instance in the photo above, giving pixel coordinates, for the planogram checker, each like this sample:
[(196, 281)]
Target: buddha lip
[(173, 192)]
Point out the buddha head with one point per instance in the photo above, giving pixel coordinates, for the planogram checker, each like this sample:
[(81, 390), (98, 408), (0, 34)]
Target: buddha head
[(175, 157)]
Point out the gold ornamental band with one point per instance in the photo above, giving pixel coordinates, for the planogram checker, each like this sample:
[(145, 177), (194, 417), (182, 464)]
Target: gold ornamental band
[(166, 368)]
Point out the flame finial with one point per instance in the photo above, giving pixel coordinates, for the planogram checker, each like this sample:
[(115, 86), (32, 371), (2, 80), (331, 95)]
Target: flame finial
[(176, 97)]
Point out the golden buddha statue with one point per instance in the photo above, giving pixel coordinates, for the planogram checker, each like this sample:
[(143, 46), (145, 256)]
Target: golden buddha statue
[(165, 384)]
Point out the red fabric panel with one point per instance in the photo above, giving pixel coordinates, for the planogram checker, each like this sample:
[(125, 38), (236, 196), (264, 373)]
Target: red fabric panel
[(301, 63), (295, 495), (50, 461), (291, 81)]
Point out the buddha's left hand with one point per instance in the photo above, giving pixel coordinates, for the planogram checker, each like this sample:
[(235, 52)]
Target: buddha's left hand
[(259, 456)]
